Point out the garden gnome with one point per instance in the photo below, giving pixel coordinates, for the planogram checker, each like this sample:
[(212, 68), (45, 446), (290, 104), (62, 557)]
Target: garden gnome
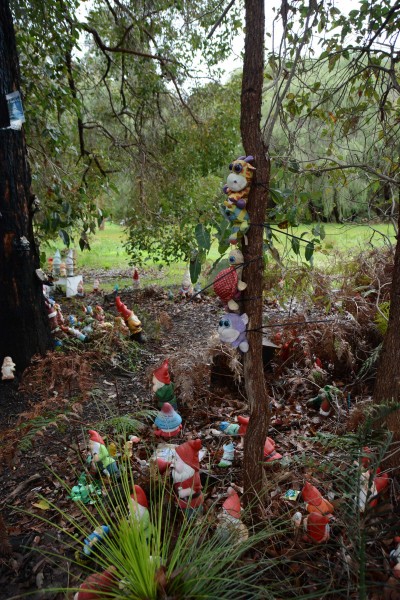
[(238, 428), (133, 323), (63, 269), (316, 528), (186, 478), (94, 538), (168, 423), (56, 263), (136, 279), (98, 314), (97, 585), (7, 369), (163, 387), (96, 285), (315, 501), (80, 289), (369, 491), (100, 458), (139, 509), (270, 453), (229, 455), (230, 526), (186, 290)]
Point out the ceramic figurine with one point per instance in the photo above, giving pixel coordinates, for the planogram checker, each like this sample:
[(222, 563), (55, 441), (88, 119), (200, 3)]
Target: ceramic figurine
[(139, 509), (186, 478), (315, 501), (135, 278), (52, 316), (84, 491), (63, 270), (80, 289), (197, 292), (163, 387), (324, 399), (230, 527), (7, 369), (60, 316), (97, 585), (369, 490), (56, 263), (72, 320), (96, 286), (394, 557), (98, 314), (69, 262), (120, 325), (228, 285), (100, 460), (74, 333), (232, 330), (186, 290), (133, 323), (167, 422), (239, 428), (316, 528), (238, 182), (228, 455), (270, 453), (94, 538)]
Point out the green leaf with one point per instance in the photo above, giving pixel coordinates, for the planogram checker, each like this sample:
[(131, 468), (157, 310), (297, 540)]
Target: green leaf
[(195, 266), (203, 237), (64, 236), (295, 245), (309, 251)]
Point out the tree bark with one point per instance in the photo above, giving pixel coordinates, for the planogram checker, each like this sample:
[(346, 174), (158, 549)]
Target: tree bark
[(251, 99), (387, 383), (24, 328)]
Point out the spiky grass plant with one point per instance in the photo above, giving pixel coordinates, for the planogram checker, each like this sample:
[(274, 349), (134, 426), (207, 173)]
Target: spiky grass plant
[(176, 558)]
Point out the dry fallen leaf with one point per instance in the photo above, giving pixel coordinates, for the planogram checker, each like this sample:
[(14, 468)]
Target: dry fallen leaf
[(42, 504)]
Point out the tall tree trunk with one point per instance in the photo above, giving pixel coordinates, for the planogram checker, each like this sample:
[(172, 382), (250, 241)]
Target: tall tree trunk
[(252, 83), (24, 328), (387, 383)]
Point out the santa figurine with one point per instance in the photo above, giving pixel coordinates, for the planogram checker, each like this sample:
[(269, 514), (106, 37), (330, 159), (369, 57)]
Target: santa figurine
[(99, 457), (163, 387), (314, 500), (98, 314), (230, 526), (139, 509), (7, 369), (97, 585), (186, 477), (168, 423)]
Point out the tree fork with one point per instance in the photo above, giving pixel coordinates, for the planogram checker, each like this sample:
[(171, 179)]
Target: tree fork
[(24, 328), (257, 397)]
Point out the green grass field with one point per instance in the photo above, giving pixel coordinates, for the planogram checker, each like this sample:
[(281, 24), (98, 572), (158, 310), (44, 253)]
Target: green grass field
[(108, 254)]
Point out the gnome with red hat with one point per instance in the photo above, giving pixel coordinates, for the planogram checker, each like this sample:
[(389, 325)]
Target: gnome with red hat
[(270, 454), (97, 585), (314, 500), (167, 423), (186, 477), (139, 509), (317, 528), (163, 387), (99, 458), (230, 526), (133, 323)]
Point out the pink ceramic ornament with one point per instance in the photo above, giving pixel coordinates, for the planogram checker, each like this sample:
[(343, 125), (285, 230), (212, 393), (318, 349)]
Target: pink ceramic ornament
[(270, 453)]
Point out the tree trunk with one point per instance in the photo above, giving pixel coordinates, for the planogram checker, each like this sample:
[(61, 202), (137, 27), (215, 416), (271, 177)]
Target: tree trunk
[(387, 383), (24, 328), (253, 77)]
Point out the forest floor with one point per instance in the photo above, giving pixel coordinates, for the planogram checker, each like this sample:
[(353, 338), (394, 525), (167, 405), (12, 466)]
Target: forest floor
[(47, 412)]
